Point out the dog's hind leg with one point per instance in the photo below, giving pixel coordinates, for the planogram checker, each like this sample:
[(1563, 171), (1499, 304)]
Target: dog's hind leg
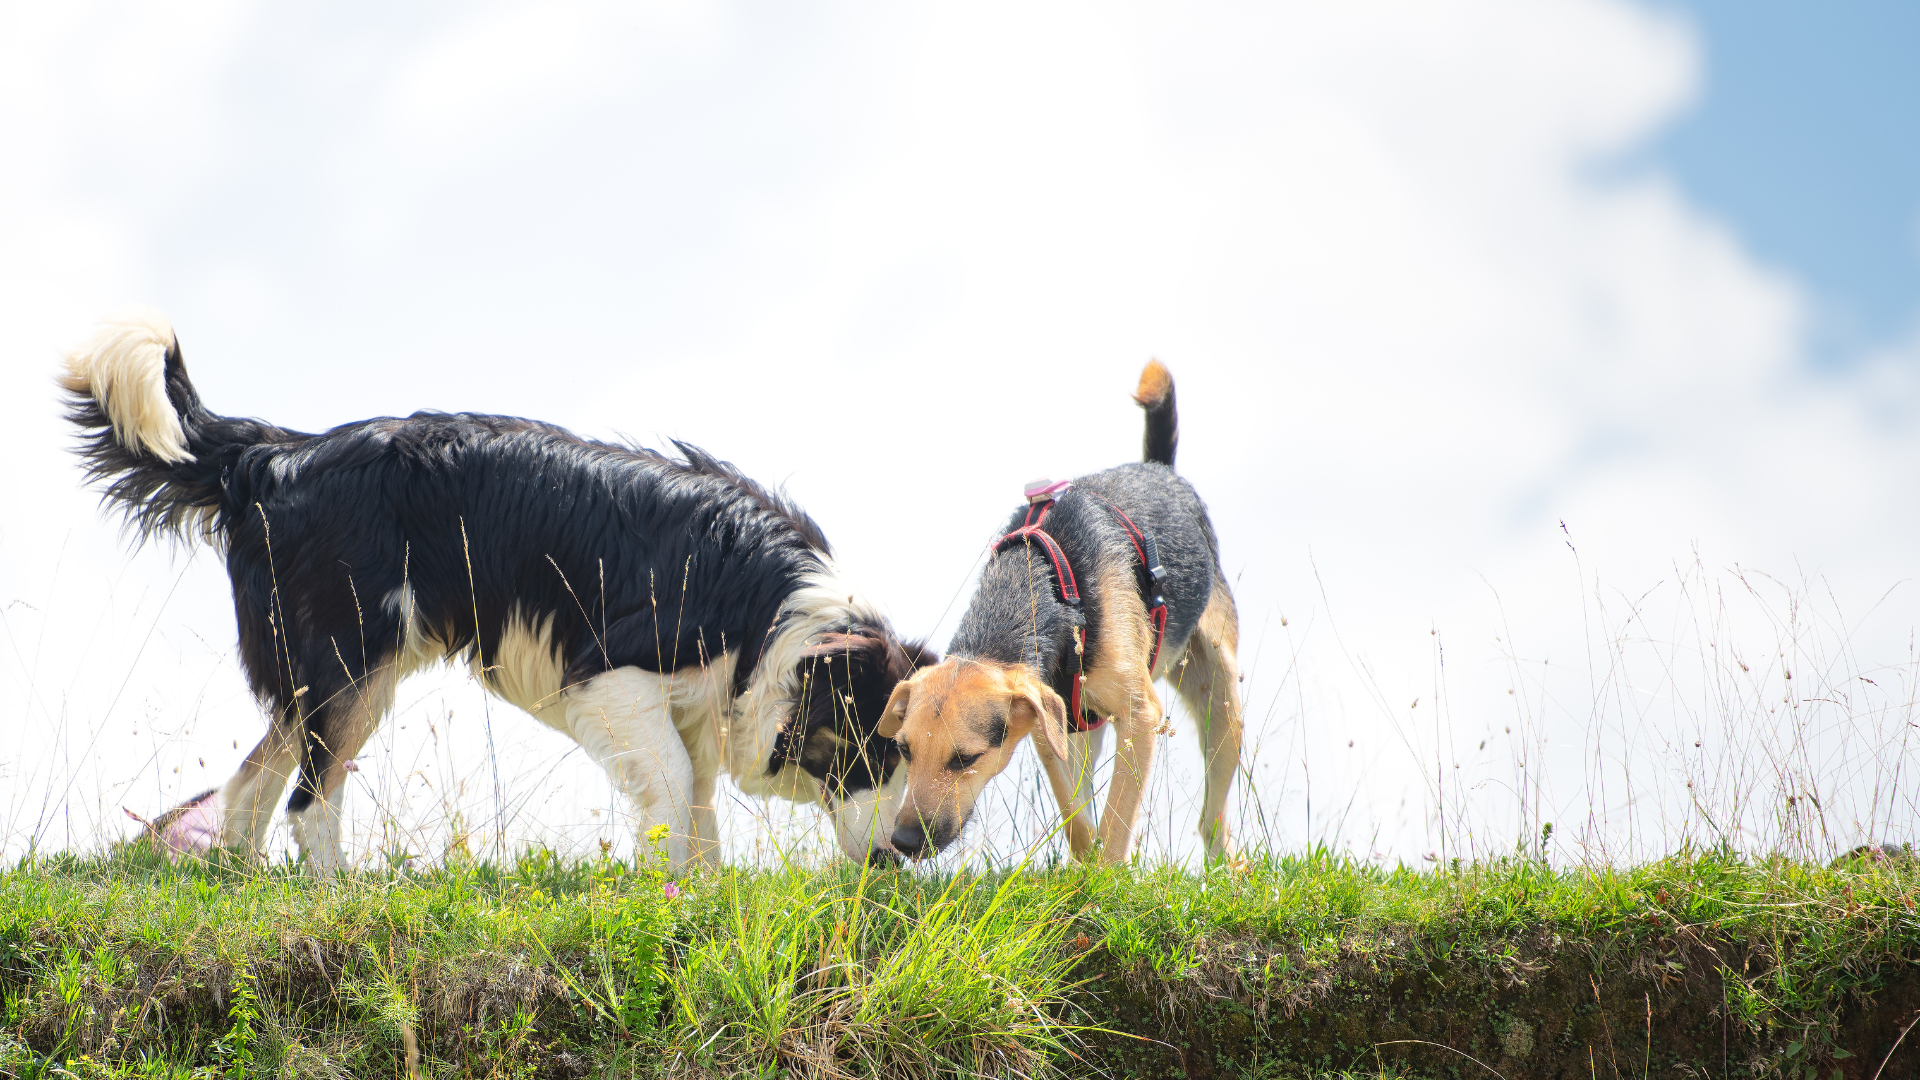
[(236, 813), (1210, 687), (251, 798), (624, 719), (338, 725)]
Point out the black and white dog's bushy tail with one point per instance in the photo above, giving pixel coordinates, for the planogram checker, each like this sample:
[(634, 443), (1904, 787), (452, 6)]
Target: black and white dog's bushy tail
[(159, 451), (1163, 424)]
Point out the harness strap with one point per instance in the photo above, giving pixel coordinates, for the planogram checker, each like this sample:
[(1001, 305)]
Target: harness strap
[(1149, 553), (1030, 530), (1040, 499), (1077, 718)]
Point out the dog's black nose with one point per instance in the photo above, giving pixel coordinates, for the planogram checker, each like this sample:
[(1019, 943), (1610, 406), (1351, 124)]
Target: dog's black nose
[(909, 840)]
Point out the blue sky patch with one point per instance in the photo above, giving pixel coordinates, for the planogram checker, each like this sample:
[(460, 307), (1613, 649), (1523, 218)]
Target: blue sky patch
[(1807, 139)]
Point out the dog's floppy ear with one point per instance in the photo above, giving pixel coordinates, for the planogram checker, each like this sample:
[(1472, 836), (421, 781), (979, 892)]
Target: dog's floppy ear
[(904, 658), (918, 654), (895, 713), (1048, 714), (838, 644)]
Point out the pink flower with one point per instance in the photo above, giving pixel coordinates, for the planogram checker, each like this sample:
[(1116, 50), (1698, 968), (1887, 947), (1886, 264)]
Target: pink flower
[(671, 890)]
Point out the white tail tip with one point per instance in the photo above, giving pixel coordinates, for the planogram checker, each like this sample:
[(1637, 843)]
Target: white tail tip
[(123, 367)]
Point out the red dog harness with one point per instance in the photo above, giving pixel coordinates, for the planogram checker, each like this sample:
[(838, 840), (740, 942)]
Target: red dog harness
[(1040, 500)]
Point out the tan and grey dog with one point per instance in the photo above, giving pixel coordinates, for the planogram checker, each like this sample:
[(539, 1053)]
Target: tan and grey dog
[(1096, 589)]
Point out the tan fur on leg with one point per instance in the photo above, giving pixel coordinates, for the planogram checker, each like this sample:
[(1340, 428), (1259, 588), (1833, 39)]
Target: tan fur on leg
[(1120, 685), (252, 796), (1132, 764), (1072, 781), (1210, 687)]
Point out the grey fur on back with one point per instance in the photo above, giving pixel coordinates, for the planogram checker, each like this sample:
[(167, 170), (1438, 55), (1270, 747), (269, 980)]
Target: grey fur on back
[(1016, 615)]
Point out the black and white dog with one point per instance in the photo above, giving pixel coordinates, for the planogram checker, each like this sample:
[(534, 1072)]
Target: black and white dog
[(673, 617)]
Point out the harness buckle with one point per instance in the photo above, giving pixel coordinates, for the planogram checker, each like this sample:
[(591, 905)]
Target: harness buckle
[(1045, 490), (1152, 558)]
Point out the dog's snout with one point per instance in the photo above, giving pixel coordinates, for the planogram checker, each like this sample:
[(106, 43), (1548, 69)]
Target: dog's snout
[(910, 840), (882, 859)]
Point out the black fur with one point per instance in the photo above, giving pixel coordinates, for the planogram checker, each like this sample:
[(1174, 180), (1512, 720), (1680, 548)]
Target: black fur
[(848, 679), (1162, 436), (155, 497), (1017, 615), (638, 558)]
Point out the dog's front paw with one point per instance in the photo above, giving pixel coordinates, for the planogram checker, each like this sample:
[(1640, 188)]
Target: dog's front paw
[(1221, 848), (194, 827)]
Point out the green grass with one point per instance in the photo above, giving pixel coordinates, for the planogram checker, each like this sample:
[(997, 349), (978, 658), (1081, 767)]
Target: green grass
[(123, 965)]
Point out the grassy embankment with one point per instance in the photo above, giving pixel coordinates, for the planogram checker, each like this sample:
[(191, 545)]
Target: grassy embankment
[(1701, 965)]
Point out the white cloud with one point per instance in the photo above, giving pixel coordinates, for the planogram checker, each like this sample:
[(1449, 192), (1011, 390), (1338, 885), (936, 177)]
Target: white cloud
[(511, 65), (908, 259)]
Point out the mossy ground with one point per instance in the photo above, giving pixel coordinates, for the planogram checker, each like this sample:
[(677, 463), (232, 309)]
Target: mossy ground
[(1705, 964)]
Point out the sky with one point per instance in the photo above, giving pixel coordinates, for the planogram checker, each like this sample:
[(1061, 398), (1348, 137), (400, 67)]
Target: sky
[(1548, 367), (1803, 137)]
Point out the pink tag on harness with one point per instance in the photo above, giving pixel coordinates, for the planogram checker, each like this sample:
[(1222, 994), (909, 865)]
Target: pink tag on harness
[(1043, 489)]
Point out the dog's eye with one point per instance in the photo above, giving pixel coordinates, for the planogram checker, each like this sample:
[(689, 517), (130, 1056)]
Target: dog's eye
[(960, 761), (906, 751)]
